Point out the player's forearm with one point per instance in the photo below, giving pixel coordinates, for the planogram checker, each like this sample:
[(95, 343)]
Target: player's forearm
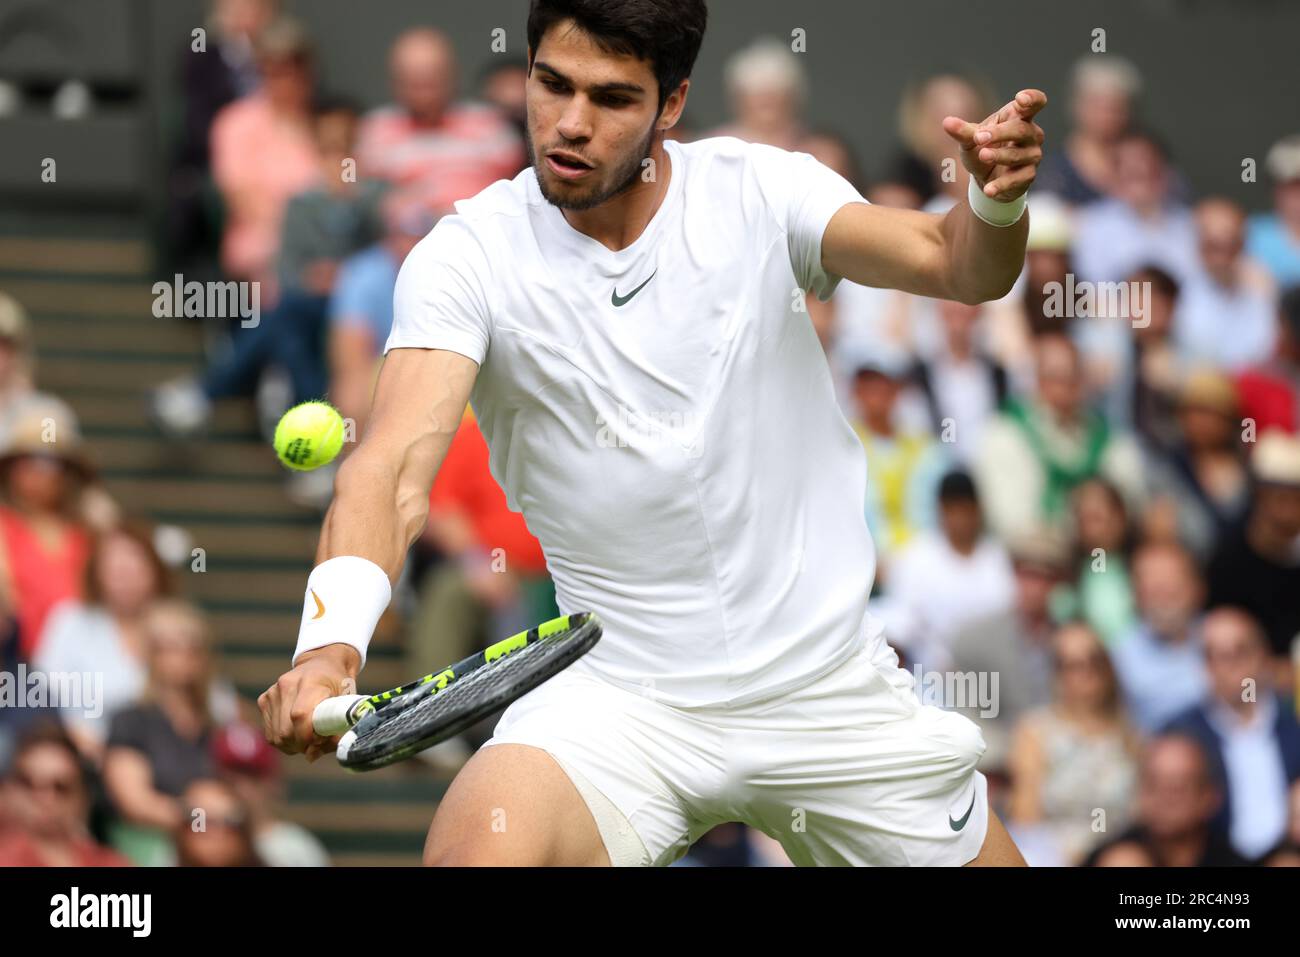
[(983, 261), (371, 516)]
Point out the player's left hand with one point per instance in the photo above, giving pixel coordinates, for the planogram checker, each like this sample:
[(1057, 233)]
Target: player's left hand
[(1002, 152)]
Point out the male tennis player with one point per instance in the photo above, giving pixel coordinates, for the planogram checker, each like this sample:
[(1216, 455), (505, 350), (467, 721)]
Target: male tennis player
[(627, 319)]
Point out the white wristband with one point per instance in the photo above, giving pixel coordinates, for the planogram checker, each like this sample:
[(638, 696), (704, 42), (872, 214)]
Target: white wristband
[(992, 211), (344, 599)]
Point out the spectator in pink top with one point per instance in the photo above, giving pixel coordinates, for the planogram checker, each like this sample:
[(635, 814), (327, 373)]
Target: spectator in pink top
[(263, 153), (431, 148)]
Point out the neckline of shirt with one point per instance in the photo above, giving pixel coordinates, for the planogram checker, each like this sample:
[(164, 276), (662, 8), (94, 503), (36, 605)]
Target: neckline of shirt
[(582, 243)]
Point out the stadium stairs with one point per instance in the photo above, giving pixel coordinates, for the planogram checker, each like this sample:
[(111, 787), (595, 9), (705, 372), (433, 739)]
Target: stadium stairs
[(100, 347)]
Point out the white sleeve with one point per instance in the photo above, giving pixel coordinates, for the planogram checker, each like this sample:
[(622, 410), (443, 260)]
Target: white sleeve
[(441, 299), (805, 194)]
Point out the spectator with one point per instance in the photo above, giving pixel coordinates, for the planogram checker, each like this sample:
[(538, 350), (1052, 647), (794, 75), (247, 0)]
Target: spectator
[(433, 150), (1102, 93), (503, 84), (49, 795), (1153, 372), (215, 828), (1160, 660), (104, 634), (157, 748), (1255, 566), (263, 154), (17, 361), (950, 577), (1039, 449), (1073, 757), (767, 88), (1250, 732), (1142, 224), (1127, 853), (1015, 645), (1270, 392), (1274, 238), (1103, 535), (905, 464), (1200, 487), (361, 309), (44, 543), (963, 386), (251, 768), (928, 161), (1177, 800), (1226, 314), (210, 79), (322, 225)]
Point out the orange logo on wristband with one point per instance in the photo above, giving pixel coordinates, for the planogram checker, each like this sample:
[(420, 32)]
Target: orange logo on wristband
[(320, 607)]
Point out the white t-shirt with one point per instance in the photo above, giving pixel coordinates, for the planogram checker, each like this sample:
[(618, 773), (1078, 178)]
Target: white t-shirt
[(680, 457)]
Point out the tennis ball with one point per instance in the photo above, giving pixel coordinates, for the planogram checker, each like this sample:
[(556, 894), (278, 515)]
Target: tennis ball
[(309, 436)]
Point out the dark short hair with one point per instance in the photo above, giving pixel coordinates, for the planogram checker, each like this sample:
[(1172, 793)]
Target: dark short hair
[(668, 33), (1289, 306), (1161, 280), (957, 486)]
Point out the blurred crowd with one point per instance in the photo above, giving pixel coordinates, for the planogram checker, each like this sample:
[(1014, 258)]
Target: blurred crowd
[(1085, 496)]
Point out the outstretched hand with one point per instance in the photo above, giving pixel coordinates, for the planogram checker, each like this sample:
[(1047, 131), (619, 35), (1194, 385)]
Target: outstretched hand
[(1003, 151)]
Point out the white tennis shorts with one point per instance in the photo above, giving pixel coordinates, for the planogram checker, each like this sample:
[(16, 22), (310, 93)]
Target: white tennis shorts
[(850, 769)]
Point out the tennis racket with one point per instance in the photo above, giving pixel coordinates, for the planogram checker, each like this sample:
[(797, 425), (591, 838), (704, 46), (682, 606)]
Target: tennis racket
[(380, 729)]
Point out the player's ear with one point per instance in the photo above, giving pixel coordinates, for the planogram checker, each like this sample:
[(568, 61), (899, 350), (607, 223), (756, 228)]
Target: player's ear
[(673, 107)]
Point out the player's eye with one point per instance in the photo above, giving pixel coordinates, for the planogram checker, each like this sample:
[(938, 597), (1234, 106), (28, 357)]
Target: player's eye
[(555, 86)]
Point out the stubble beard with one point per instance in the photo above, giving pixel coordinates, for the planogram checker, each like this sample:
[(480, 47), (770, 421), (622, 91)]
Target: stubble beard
[(625, 177)]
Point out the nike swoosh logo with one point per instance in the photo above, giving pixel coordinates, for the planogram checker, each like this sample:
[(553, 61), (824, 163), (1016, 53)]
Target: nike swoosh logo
[(958, 824), (618, 300), (320, 607)]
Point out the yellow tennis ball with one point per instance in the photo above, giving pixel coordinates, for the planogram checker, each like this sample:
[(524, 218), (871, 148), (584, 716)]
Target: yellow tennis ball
[(309, 436)]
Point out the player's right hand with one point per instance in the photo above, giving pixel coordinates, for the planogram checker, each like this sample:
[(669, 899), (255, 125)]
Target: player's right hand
[(288, 704)]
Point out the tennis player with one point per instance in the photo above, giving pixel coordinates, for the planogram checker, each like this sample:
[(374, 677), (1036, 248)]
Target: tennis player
[(627, 318)]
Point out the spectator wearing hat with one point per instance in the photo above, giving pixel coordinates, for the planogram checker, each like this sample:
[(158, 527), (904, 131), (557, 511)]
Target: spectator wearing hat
[(1014, 645), (431, 148), (1038, 449), (1226, 313), (44, 541), (48, 794), (1159, 660), (951, 576), (1177, 801), (1200, 487), (17, 368), (1257, 565), (251, 768), (1270, 392), (1074, 756), (904, 464), (1249, 730), (104, 633), (1274, 238)]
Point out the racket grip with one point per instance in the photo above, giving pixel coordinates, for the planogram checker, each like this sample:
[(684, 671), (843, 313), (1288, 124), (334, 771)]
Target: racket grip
[(335, 715)]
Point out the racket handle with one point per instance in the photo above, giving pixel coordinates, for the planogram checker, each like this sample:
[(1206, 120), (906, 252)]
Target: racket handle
[(335, 715)]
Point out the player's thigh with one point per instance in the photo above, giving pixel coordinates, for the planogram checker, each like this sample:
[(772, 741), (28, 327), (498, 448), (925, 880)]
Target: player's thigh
[(514, 805)]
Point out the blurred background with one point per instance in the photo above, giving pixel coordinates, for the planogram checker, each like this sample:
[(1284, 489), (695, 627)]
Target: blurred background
[(1087, 509)]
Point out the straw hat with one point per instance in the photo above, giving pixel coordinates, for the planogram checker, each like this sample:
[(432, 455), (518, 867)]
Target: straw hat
[(47, 428), (1277, 459)]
